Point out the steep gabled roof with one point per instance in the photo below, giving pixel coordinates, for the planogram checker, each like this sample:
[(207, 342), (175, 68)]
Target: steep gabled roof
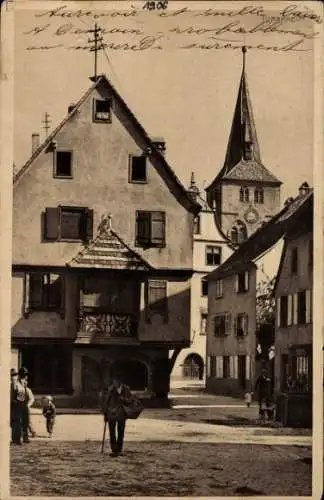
[(108, 251), (190, 204), (243, 130), (265, 237)]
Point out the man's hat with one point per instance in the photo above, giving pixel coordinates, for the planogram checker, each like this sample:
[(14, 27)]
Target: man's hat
[(22, 372), (13, 372)]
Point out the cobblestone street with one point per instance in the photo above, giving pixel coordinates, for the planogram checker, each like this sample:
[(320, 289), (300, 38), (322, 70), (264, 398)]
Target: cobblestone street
[(168, 452)]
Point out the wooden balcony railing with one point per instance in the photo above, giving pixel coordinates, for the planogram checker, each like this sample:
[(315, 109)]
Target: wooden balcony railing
[(108, 325)]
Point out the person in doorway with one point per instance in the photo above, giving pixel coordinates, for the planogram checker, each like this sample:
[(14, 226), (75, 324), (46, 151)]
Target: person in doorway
[(49, 412), (19, 412), (118, 395), (263, 390)]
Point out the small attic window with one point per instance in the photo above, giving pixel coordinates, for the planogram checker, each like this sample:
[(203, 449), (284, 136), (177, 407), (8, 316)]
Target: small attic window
[(138, 170), (102, 110), (63, 164)]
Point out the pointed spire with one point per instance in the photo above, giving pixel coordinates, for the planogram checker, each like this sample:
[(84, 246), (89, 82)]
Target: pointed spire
[(193, 188), (243, 142)]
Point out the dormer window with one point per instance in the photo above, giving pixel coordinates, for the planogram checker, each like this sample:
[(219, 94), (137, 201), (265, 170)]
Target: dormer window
[(244, 194), (102, 110), (138, 169), (63, 164), (248, 151)]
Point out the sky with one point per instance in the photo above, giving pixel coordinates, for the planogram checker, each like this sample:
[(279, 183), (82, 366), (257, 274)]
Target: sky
[(186, 95)]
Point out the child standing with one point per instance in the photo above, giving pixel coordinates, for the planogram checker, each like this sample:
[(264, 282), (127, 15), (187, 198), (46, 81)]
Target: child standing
[(49, 412)]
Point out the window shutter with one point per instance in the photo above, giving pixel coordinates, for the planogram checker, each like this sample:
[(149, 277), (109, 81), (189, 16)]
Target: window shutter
[(278, 311), (212, 360), (157, 299), (228, 323), (26, 295), (308, 306), (143, 228), (235, 364), (231, 367), (62, 302), (290, 310), (158, 228), (246, 280), (36, 290), (208, 366), (219, 367), (235, 324), (247, 367), (52, 223), (295, 308), (89, 224), (246, 324)]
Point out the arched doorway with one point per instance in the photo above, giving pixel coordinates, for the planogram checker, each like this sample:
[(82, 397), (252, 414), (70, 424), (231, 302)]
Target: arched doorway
[(193, 367), (134, 373)]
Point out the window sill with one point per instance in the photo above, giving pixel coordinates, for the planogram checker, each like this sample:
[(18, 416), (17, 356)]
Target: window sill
[(146, 246), (131, 181), (102, 120), (219, 297), (62, 177)]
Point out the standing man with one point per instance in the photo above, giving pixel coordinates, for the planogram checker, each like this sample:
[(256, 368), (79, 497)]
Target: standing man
[(117, 396), (13, 382), (19, 421), (263, 390)]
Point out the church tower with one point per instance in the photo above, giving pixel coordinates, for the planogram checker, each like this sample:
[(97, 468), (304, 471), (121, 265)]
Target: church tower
[(244, 194)]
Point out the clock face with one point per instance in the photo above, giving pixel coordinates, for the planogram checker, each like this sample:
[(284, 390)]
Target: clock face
[(251, 215)]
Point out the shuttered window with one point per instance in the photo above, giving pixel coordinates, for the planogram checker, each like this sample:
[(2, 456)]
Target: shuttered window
[(222, 324), (241, 325), (157, 299), (150, 229), (68, 223), (44, 291)]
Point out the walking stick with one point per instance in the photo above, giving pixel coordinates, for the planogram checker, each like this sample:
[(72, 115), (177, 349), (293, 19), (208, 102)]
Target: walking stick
[(103, 438)]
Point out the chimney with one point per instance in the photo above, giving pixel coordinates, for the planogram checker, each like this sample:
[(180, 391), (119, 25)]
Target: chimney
[(71, 107), (304, 189), (159, 143), (35, 142)]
